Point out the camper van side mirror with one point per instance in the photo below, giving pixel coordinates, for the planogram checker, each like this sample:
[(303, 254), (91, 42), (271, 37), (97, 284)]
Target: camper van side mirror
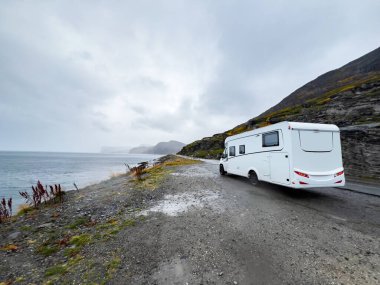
[(224, 155)]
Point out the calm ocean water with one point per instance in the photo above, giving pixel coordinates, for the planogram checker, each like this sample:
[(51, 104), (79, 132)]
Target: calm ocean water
[(20, 170)]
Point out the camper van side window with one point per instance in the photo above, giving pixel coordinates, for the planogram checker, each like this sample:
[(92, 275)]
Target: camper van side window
[(232, 151), (270, 139), (241, 149)]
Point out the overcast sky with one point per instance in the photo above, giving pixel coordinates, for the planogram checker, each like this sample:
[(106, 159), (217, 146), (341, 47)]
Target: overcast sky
[(78, 75)]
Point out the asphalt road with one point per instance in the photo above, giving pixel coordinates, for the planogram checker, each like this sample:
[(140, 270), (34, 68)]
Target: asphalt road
[(212, 229)]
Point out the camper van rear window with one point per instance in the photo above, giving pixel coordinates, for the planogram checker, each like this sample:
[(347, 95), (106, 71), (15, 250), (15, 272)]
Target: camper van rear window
[(241, 149), (270, 139), (232, 151)]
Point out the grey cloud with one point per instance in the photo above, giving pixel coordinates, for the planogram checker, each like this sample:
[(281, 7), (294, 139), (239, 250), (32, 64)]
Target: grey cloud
[(108, 72), (166, 122), (99, 125)]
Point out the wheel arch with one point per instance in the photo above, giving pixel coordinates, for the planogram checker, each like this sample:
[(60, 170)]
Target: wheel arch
[(254, 169)]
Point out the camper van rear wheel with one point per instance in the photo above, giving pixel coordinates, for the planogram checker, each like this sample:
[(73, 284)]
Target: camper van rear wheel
[(253, 178), (221, 170)]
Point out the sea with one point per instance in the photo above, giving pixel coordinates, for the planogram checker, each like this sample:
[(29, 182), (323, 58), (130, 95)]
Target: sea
[(20, 170)]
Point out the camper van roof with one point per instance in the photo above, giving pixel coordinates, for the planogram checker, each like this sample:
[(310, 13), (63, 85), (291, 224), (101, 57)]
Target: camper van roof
[(293, 125), (312, 126)]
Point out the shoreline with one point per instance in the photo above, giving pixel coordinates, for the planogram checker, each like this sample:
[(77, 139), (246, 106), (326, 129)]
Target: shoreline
[(57, 236), (65, 169)]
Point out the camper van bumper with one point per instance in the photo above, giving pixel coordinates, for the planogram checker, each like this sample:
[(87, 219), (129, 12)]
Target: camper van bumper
[(313, 184), (333, 179)]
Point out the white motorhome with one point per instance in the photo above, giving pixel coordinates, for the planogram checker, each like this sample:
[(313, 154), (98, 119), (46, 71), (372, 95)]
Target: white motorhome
[(296, 155)]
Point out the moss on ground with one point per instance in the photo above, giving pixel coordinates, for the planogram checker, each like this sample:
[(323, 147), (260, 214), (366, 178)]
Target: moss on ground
[(56, 270), (112, 266), (80, 240), (153, 176), (180, 161), (76, 244), (25, 209), (47, 249), (78, 222)]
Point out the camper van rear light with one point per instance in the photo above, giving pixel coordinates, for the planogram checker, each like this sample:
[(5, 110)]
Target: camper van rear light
[(301, 182), (339, 173), (340, 181), (302, 174)]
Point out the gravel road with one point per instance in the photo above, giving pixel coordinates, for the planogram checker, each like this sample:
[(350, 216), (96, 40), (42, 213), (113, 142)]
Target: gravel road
[(210, 229), (198, 228)]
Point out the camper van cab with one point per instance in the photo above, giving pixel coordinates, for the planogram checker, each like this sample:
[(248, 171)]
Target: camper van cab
[(296, 155)]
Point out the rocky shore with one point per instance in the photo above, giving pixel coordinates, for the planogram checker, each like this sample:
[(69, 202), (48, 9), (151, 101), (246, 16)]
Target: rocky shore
[(81, 238)]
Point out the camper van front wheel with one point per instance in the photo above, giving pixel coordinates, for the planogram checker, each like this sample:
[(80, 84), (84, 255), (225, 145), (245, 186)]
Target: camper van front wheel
[(253, 178), (221, 170)]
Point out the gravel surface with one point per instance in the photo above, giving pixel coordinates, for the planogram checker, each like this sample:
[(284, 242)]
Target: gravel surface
[(201, 228)]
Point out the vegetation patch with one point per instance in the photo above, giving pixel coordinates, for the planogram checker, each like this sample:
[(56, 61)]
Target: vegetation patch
[(78, 222), (180, 161), (112, 227), (26, 228), (80, 240), (208, 153), (112, 266), (48, 249), (56, 270), (153, 177), (72, 251), (237, 130)]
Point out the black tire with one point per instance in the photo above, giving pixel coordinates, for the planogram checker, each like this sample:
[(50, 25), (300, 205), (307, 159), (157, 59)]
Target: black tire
[(252, 176), (221, 170)]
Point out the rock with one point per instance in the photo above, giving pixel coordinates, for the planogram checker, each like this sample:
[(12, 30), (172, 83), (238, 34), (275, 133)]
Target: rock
[(46, 225), (14, 235)]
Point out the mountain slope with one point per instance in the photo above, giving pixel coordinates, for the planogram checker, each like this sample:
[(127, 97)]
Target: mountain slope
[(348, 97), (160, 148), (355, 71)]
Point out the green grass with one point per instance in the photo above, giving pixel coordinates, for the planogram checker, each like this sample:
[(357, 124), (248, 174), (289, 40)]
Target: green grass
[(114, 263), (56, 270), (25, 209), (47, 249), (78, 222), (180, 161), (26, 228), (80, 240), (112, 227), (72, 251), (153, 177)]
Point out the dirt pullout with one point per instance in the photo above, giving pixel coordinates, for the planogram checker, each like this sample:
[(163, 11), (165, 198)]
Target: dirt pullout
[(195, 227)]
